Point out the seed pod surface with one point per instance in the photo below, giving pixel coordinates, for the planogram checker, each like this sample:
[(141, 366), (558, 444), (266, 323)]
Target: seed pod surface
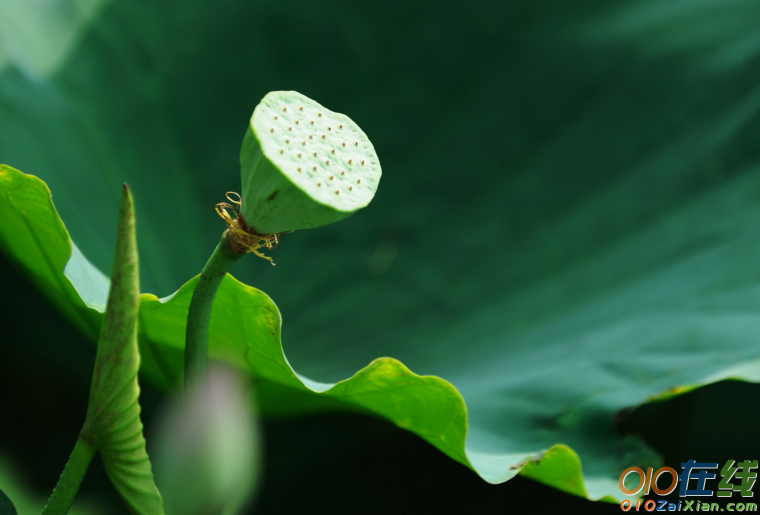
[(303, 166)]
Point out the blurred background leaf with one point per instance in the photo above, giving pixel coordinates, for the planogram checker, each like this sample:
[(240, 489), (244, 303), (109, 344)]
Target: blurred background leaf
[(6, 506), (587, 164)]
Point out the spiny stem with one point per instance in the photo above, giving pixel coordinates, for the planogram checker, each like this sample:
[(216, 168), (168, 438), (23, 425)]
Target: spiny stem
[(196, 337), (71, 478)]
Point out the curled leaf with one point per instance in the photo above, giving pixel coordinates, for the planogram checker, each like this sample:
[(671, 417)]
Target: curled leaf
[(113, 424)]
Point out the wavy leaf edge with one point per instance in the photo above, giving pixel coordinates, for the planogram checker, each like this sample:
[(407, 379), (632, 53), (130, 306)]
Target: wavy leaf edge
[(559, 466)]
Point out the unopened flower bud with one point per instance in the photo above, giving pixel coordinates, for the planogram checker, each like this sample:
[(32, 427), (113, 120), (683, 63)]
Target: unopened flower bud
[(207, 451)]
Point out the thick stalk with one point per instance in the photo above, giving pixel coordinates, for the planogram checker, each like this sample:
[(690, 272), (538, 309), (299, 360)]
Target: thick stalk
[(199, 316), (71, 478)]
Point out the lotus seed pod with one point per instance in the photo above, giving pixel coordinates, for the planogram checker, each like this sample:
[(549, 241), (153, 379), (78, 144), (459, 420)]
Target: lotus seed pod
[(303, 166)]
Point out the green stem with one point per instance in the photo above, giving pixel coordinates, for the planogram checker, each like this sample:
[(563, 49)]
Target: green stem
[(196, 337), (71, 478)]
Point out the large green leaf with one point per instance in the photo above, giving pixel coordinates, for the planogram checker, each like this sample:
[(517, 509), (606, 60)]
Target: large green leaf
[(566, 225)]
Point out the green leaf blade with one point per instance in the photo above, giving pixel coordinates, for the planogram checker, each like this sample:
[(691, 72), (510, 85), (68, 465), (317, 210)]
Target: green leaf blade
[(245, 331)]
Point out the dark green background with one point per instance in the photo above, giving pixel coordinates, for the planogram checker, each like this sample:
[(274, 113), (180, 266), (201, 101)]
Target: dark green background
[(491, 119)]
